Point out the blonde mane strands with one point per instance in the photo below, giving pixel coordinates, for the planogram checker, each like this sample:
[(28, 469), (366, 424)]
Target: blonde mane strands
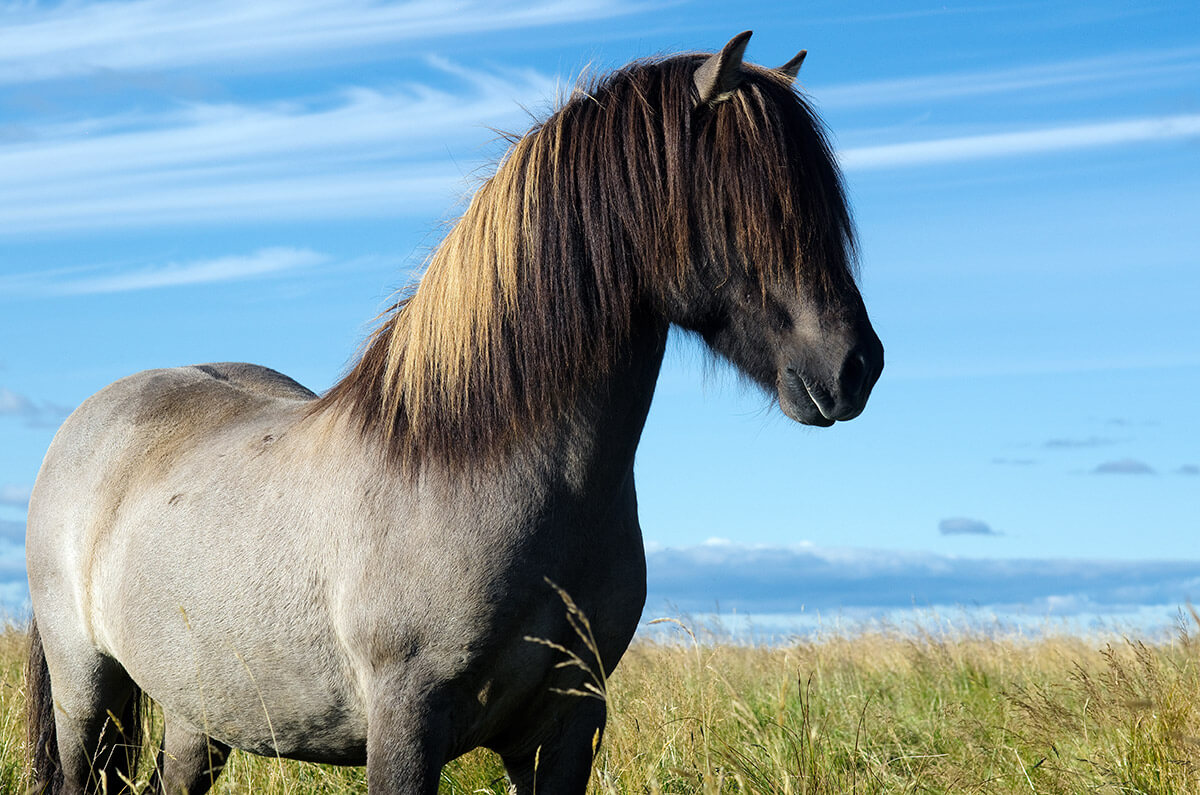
[(625, 194)]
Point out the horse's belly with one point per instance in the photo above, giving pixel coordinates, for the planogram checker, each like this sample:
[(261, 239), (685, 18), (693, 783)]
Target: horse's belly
[(236, 642), (267, 695)]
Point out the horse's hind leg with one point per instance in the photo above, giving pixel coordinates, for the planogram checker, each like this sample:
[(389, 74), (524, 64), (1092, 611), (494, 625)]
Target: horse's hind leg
[(189, 761), (97, 723)]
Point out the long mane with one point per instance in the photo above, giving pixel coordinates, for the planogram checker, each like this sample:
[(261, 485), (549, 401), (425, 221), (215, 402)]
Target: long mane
[(625, 193)]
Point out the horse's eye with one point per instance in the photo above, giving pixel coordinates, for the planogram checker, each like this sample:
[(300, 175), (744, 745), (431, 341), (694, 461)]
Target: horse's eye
[(778, 316)]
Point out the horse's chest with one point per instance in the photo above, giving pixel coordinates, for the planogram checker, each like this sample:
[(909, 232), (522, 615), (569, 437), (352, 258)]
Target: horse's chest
[(483, 603)]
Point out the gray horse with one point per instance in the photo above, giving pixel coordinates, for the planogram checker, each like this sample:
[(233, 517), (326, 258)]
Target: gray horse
[(354, 578)]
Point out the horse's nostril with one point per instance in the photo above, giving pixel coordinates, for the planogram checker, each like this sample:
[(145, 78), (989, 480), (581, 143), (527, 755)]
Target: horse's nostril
[(854, 374)]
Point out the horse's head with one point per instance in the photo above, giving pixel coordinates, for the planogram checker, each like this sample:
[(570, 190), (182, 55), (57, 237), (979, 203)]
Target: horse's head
[(817, 352), (771, 284)]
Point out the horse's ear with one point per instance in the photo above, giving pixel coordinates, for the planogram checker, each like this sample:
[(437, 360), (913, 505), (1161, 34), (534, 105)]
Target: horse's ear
[(792, 67), (718, 76)]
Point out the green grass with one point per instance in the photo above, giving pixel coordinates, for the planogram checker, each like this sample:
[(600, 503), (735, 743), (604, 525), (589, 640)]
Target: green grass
[(880, 711)]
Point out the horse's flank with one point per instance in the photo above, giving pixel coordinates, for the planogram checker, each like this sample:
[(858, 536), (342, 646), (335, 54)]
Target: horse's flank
[(588, 222)]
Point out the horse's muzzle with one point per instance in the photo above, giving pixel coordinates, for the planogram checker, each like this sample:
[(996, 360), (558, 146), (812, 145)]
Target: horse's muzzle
[(807, 398)]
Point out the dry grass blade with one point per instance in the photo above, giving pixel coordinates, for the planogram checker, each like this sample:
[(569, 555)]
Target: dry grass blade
[(596, 685)]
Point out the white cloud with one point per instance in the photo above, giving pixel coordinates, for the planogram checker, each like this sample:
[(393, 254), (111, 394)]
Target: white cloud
[(265, 262), (363, 152), (1132, 70), (358, 124), (62, 40), (366, 152), (1011, 144)]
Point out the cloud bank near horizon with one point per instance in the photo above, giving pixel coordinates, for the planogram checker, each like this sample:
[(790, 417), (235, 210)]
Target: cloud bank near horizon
[(784, 579)]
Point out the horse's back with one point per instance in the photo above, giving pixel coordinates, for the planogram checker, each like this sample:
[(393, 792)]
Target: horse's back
[(255, 379), (123, 439), (170, 406), (145, 420)]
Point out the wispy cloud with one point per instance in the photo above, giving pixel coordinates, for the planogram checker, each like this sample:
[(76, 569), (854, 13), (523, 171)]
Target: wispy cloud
[(13, 404), (1109, 73), (1013, 144), (962, 526), (1071, 443), (1124, 466), (15, 496), (265, 262), (360, 152), (363, 151), (39, 42), (35, 414), (776, 579)]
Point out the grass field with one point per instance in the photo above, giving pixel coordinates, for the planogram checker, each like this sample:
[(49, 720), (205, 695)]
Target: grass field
[(881, 711)]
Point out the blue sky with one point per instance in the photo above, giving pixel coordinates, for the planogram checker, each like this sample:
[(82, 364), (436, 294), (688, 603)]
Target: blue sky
[(187, 182)]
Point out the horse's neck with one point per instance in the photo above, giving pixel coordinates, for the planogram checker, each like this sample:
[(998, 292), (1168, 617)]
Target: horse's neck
[(596, 446), (587, 447)]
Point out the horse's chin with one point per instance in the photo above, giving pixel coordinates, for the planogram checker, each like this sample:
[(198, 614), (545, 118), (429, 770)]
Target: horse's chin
[(797, 404)]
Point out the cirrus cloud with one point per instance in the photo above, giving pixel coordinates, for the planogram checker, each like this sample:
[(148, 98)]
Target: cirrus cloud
[(264, 262), (46, 41), (1024, 142), (360, 152)]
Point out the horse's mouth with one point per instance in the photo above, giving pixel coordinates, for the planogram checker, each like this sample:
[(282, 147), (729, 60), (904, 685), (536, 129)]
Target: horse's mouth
[(801, 400)]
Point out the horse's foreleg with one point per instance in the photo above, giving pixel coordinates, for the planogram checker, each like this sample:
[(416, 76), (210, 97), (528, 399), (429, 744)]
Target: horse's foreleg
[(189, 761), (562, 763), (408, 734)]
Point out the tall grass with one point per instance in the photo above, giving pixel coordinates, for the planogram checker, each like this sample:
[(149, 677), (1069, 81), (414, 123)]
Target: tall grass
[(879, 711)]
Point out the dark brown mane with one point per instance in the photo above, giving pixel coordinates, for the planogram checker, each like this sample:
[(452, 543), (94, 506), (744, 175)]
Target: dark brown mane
[(626, 193)]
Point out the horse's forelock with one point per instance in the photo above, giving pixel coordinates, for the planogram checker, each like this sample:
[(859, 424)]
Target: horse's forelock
[(780, 192), (621, 190)]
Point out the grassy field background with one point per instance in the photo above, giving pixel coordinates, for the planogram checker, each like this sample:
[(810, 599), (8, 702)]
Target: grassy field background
[(876, 711)]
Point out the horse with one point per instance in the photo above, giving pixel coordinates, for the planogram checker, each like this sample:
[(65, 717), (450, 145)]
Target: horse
[(369, 576)]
